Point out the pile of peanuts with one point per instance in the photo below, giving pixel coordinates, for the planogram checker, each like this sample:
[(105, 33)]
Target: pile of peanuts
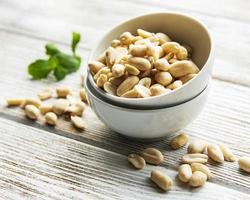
[(68, 104), (192, 169), (141, 66)]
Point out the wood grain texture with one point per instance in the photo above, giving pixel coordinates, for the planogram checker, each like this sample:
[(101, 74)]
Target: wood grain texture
[(54, 167), (93, 18)]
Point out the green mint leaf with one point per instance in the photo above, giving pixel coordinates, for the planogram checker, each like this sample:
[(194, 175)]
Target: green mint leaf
[(40, 69), (68, 62), (76, 37), (51, 49), (60, 72)]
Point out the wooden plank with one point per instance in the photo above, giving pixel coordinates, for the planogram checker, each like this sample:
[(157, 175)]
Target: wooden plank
[(24, 17), (39, 165), (224, 119)]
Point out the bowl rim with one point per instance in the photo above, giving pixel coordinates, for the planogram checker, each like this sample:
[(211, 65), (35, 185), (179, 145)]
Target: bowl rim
[(118, 98), (205, 90)]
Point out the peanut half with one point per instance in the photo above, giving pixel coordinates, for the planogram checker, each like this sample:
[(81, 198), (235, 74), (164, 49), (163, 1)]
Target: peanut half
[(161, 180), (184, 172), (202, 168), (51, 118), (45, 94), (228, 155), (31, 111), (194, 158), (127, 85), (182, 68), (60, 106), (197, 179), (179, 141), (152, 156), (197, 146), (15, 102), (137, 161), (244, 163), (78, 122), (214, 152), (62, 92)]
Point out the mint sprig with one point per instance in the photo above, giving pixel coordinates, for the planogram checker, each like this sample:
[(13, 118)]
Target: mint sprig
[(61, 64)]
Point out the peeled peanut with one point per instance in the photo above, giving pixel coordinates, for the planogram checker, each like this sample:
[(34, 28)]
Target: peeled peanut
[(137, 161), (198, 179), (182, 54), (136, 38), (130, 94), (228, 155), (103, 78), (162, 64), (169, 56), (131, 69), (120, 53), (110, 88), (126, 38), (118, 70), (76, 109), (184, 172), (31, 111), (160, 51), (45, 109), (182, 68), (15, 102), (51, 118), (173, 60), (163, 38), (143, 33), (163, 78), (78, 122), (244, 163), (146, 73), (194, 158), (152, 156), (138, 50), (179, 141), (175, 85), (171, 47), (102, 58), (95, 66), (158, 89), (140, 63), (127, 85), (145, 82), (187, 78), (162, 180), (153, 51), (117, 81), (142, 91), (104, 70), (110, 56), (202, 168), (214, 152), (197, 146), (83, 95), (31, 101), (62, 92), (115, 43), (46, 93), (60, 106)]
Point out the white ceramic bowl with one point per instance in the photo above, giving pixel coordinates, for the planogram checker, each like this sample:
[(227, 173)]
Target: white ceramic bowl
[(181, 28), (146, 124)]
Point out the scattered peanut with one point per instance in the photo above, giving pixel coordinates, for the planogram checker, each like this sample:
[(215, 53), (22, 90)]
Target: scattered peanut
[(45, 109), (179, 141), (62, 92), (78, 122), (198, 179), (244, 163), (184, 173), (137, 161), (194, 158), (45, 94), (197, 146), (214, 152), (15, 102), (152, 156), (31, 111), (162, 180), (202, 168), (51, 118), (60, 106), (228, 155), (83, 95)]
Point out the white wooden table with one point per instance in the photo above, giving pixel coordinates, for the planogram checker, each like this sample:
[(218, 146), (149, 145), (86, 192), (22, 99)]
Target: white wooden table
[(39, 162)]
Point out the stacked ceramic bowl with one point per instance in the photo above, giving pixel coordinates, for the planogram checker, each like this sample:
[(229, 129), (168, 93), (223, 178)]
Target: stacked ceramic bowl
[(158, 116)]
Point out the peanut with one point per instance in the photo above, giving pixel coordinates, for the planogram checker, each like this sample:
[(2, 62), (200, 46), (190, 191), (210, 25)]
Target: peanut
[(115, 43), (198, 179), (31, 111), (45, 94), (145, 82), (244, 163), (197, 146), (214, 152), (163, 38), (171, 47), (51, 118), (187, 78), (126, 38), (137, 161), (102, 58), (83, 95), (45, 109), (175, 85), (104, 70), (127, 85), (143, 33), (142, 91), (62, 92), (60, 106), (74, 110), (15, 102), (158, 89), (182, 68), (202, 168), (152, 156), (78, 122), (30, 101), (95, 66), (179, 141), (161, 180), (184, 173), (163, 78), (130, 94), (162, 65), (131, 69), (117, 81), (103, 78), (118, 70), (228, 155), (110, 88), (138, 50), (140, 63), (194, 158), (182, 54)]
